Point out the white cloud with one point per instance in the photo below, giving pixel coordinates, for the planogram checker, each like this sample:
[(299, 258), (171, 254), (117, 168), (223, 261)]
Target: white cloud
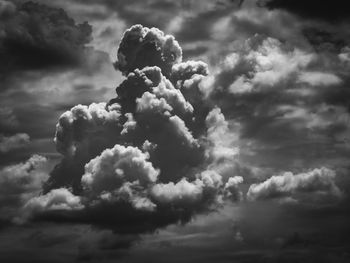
[(271, 64), (109, 171), (317, 181), (223, 140), (319, 78), (160, 109), (56, 199)]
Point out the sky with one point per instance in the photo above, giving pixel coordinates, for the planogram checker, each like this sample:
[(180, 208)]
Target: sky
[(174, 131)]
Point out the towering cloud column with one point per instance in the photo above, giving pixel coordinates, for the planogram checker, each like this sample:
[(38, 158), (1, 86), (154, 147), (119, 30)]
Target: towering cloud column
[(147, 157)]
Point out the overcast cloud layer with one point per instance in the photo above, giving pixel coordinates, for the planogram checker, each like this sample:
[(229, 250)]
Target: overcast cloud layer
[(174, 130)]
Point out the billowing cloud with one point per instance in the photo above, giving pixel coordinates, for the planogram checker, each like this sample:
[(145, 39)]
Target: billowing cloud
[(318, 181), (262, 63), (173, 144), (149, 157), (120, 172), (284, 98), (81, 134), (13, 142)]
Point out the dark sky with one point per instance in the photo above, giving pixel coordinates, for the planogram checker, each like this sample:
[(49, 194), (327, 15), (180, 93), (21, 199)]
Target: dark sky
[(174, 131)]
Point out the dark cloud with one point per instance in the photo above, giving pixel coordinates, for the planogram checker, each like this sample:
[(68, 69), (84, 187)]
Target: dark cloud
[(119, 167), (135, 104), (313, 9), (324, 40), (158, 163), (81, 134), (36, 36)]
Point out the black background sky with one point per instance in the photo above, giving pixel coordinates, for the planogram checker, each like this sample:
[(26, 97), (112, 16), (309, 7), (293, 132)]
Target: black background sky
[(278, 71)]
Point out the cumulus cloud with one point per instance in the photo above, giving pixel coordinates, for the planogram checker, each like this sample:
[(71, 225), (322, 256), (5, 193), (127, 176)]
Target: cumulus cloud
[(263, 62), (285, 98), (150, 156), (318, 181), (13, 142), (81, 134), (117, 172), (141, 46), (67, 138), (167, 147)]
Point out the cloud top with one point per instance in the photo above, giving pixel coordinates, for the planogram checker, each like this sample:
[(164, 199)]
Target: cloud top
[(143, 46)]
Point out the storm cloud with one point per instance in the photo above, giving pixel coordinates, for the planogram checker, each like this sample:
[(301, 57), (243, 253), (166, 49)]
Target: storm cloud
[(36, 36), (148, 156), (214, 131)]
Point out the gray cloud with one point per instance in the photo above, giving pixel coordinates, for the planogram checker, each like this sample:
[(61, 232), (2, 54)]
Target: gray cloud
[(318, 181), (284, 99), (57, 199), (35, 36), (141, 46), (19, 183), (13, 142), (276, 102), (81, 134), (149, 157)]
